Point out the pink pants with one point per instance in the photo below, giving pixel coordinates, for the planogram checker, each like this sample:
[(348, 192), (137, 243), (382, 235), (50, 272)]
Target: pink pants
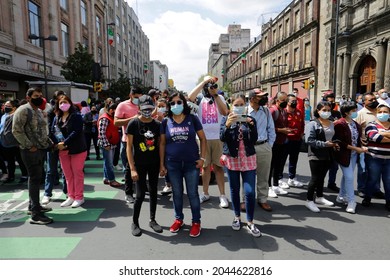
[(72, 166)]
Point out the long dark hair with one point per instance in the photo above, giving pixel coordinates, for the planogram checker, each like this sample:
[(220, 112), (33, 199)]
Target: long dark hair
[(58, 111), (321, 105), (186, 108)]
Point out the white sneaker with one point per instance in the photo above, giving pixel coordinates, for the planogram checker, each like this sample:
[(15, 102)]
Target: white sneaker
[(166, 190), (351, 207), (323, 201), (118, 167), (4, 178), (341, 200), (46, 199), (312, 206), (279, 190), (294, 183), (67, 202), (271, 193), (129, 199), (283, 185), (204, 197), (77, 203), (223, 201)]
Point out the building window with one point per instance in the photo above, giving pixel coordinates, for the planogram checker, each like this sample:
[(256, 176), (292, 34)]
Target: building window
[(5, 59), (297, 20), (83, 13), (65, 39), (308, 54), (117, 3), (98, 27), (124, 45), (37, 67), (118, 39), (117, 21), (34, 19), (85, 42), (125, 59), (308, 11), (119, 56), (100, 55), (64, 4), (296, 58), (287, 28)]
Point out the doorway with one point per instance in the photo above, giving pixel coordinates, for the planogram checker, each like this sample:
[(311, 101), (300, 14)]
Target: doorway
[(367, 75)]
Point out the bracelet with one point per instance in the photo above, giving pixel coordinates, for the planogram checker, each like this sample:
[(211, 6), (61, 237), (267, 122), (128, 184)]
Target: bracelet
[(203, 159)]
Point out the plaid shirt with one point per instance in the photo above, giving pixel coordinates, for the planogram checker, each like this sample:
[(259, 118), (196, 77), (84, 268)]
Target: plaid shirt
[(240, 163)]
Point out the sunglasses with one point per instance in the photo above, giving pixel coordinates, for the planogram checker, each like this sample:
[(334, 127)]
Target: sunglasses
[(173, 103), (214, 86)]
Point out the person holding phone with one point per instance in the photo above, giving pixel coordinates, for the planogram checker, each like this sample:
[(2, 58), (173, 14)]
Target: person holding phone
[(239, 136), (318, 135)]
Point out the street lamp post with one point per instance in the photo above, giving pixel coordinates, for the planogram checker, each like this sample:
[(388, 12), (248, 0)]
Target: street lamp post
[(108, 52), (279, 65), (43, 38), (335, 45)]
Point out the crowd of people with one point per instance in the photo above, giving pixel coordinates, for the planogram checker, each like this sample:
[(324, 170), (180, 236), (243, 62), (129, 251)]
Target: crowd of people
[(181, 137)]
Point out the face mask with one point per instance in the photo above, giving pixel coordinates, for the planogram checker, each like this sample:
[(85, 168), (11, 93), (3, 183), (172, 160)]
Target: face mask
[(307, 102), (37, 101), (93, 112), (7, 110), (263, 101), (283, 104), (354, 115), (64, 107), (383, 117), (238, 110), (177, 109), (324, 115), (162, 110), (146, 113), (373, 105), (384, 95), (135, 101), (293, 104)]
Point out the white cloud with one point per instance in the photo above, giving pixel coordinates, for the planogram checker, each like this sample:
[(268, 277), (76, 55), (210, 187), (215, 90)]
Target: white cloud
[(182, 41)]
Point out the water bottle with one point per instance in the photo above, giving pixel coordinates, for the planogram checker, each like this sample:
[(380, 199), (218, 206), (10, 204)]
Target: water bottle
[(58, 134)]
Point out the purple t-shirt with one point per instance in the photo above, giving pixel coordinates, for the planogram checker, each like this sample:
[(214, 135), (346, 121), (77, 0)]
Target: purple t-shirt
[(180, 138)]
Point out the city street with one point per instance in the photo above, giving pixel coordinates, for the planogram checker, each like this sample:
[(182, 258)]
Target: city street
[(100, 229)]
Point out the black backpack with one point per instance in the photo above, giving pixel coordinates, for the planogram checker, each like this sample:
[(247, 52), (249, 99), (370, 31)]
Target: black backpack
[(7, 139)]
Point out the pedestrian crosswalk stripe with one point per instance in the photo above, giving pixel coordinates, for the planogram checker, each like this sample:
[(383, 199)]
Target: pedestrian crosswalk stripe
[(92, 195), (63, 215), (37, 247)]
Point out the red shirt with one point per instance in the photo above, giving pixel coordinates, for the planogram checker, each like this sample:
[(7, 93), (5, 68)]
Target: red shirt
[(296, 121)]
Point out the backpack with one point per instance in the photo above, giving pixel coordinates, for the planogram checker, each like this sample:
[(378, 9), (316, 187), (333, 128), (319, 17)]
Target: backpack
[(7, 139)]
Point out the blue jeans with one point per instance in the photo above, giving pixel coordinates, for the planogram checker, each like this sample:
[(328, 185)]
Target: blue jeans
[(179, 170), (346, 188), (52, 175), (333, 172), (249, 185), (108, 166), (375, 168)]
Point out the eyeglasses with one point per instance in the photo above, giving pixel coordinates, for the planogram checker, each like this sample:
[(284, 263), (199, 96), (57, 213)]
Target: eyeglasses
[(371, 100), (173, 103), (214, 86)]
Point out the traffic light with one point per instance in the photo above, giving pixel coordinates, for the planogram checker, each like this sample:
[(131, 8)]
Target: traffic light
[(97, 87), (96, 72), (312, 82), (305, 84), (160, 78)]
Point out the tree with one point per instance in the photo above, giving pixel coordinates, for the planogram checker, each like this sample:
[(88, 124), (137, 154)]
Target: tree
[(120, 87), (78, 66)]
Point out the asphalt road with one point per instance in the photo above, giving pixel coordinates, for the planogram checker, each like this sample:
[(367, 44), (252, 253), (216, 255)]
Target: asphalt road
[(100, 229)]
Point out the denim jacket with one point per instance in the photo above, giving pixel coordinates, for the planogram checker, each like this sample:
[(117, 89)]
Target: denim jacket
[(315, 139), (229, 137)]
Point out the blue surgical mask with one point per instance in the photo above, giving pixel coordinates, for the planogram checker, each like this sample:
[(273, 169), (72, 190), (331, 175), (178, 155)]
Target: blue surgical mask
[(354, 115), (239, 110), (177, 109), (383, 117), (135, 101), (325, 115), (162, 110)]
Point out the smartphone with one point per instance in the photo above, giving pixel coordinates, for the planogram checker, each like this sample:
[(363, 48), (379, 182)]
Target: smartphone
[(241, 118)]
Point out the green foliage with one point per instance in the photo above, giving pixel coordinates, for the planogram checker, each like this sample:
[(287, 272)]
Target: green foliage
[(78, 66), (120, 88)]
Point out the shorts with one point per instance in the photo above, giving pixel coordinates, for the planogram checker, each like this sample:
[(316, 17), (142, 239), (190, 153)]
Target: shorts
[(213, 152)]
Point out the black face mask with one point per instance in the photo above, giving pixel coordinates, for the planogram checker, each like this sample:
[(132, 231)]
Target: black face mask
[(37, 101), (283, 104), (7, 110), (332, 105), (373, 105), (93, 112), (263, 101), (293, 104)]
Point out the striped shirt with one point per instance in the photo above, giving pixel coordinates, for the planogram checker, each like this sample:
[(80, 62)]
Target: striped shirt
[(376, 148), (240, 163)]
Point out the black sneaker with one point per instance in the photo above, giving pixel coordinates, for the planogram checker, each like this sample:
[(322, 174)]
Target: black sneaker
[(155, 226), (333, 187), (379, 195), (42, 209), (135, 230), (40, 219), (387, 205), (366, 202)]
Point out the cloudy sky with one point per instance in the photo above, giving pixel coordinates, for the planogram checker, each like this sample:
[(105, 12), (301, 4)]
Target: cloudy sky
[(180, 31)]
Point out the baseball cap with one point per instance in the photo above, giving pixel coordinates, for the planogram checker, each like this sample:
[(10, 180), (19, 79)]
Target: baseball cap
[(146, 102), (257, 92)]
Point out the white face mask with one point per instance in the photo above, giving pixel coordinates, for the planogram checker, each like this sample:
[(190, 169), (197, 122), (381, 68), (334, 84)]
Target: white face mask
[(239, 110), (384, 95), (324, 115)]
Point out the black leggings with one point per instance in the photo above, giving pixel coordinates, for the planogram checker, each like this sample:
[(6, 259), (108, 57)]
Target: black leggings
[(318, 169), (152, 171)]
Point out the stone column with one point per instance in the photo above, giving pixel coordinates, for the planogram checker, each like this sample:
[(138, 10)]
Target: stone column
[(339, 73), (380, 66), (345, 81), (387, 68)]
